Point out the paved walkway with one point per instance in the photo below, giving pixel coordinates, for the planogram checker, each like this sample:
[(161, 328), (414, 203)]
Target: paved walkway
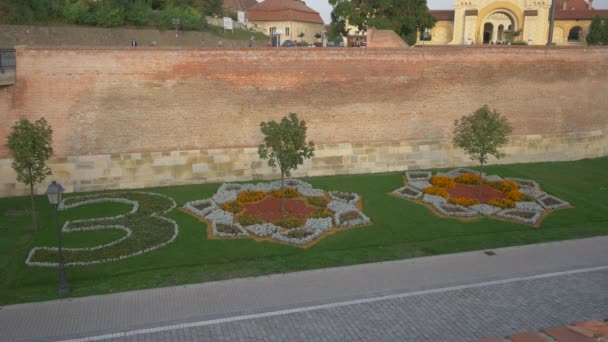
[(458, 297)]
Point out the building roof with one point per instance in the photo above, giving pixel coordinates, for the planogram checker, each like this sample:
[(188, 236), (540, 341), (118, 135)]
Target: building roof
[(570, 14), (579, 14), (443, 14), (576, 9), (576, 5), (238, 5), (283, 10)]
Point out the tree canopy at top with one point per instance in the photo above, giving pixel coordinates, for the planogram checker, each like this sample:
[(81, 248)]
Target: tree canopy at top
[(405, 17)]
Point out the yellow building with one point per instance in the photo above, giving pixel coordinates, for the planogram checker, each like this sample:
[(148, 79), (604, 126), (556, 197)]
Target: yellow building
[(493, 21), (290, 17)]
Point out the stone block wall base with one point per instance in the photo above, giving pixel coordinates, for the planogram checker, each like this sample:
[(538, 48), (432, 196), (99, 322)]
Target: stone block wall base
[(151, 169)]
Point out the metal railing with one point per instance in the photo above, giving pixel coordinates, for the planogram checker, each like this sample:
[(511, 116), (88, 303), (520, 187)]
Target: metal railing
[(8, 59)]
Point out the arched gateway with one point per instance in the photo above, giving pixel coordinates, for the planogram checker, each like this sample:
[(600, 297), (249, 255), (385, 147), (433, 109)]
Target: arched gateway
[(507, 21)]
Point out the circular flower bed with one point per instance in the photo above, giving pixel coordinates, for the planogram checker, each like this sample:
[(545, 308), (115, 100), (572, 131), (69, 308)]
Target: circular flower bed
[(254, 211), (457, 193)]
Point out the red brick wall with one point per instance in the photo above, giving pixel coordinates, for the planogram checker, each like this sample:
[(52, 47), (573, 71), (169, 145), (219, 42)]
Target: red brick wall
[(105, 100)]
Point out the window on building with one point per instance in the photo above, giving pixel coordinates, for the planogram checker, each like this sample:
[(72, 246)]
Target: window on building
[(272, 30), (575, 34), (287, 31)]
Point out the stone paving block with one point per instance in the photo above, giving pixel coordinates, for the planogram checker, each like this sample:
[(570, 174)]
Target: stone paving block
[(591, 329), (491, 339), (563, 334), (527, 337)]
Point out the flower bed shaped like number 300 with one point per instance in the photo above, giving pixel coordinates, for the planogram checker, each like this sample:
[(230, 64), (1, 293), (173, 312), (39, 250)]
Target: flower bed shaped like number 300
[(253, 210), (144, 226), (456, 194)]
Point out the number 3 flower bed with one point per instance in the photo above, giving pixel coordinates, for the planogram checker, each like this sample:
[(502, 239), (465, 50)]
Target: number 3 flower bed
[(254, 211), (457, 193)]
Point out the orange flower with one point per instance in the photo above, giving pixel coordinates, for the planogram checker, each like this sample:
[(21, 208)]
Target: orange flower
[(289, 193), (502, 203), (463, 201), (249, 197), (437, 191), (442, 182), (505, 186), (468, 178), (514, 195)]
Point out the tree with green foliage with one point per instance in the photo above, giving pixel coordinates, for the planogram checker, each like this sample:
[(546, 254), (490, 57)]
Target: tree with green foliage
[(481, 134), (605, 35), (138, 13), (285, 146), (596, 32), (108, 16), (30, 146), (213, 8), (405, 17)]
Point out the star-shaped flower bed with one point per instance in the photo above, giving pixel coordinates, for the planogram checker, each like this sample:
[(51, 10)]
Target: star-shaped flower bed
[(254, 211), (457, 193)]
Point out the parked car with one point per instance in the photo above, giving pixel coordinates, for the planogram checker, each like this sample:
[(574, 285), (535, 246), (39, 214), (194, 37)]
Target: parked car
[(288, 43)]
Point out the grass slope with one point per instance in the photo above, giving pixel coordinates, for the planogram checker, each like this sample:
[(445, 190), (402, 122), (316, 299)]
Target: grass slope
[(401, 229)]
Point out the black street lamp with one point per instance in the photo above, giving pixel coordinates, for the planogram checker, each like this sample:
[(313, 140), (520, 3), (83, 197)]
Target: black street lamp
[(54, 193), (551, 23)]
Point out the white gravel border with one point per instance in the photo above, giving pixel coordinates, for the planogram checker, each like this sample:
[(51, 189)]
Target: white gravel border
[(508, 214)]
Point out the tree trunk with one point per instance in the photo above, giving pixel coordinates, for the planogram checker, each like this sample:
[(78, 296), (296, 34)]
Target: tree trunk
[(282, 194), (480, 180), (34, 215)]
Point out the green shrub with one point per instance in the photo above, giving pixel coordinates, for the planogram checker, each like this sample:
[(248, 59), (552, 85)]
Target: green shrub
[(233, 207), (519, 42), (81, 13), (138, 14), (320, 213), (189, 19), (108, 16), (299, 233), (320, 202), (250, 220), (31, 11), (289, 223)]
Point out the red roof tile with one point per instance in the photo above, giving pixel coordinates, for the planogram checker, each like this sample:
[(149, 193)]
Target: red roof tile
[(443, 14), (582, 14), (283, 10), (577, 5)]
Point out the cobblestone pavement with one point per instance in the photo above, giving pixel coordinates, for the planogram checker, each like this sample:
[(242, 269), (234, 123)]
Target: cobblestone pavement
[(451, 315), (455, 296)]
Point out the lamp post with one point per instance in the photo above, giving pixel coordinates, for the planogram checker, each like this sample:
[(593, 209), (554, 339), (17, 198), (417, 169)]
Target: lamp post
[(551, 23), (176, 22), (54, 193)]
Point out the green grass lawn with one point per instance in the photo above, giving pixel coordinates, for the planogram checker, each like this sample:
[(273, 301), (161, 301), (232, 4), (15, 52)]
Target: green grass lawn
[(401, 229)]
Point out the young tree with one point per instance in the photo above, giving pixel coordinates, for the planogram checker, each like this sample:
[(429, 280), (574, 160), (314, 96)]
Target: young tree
[(30, 145), (285, 146), (405, 17), (596, 32), (481, 134)]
